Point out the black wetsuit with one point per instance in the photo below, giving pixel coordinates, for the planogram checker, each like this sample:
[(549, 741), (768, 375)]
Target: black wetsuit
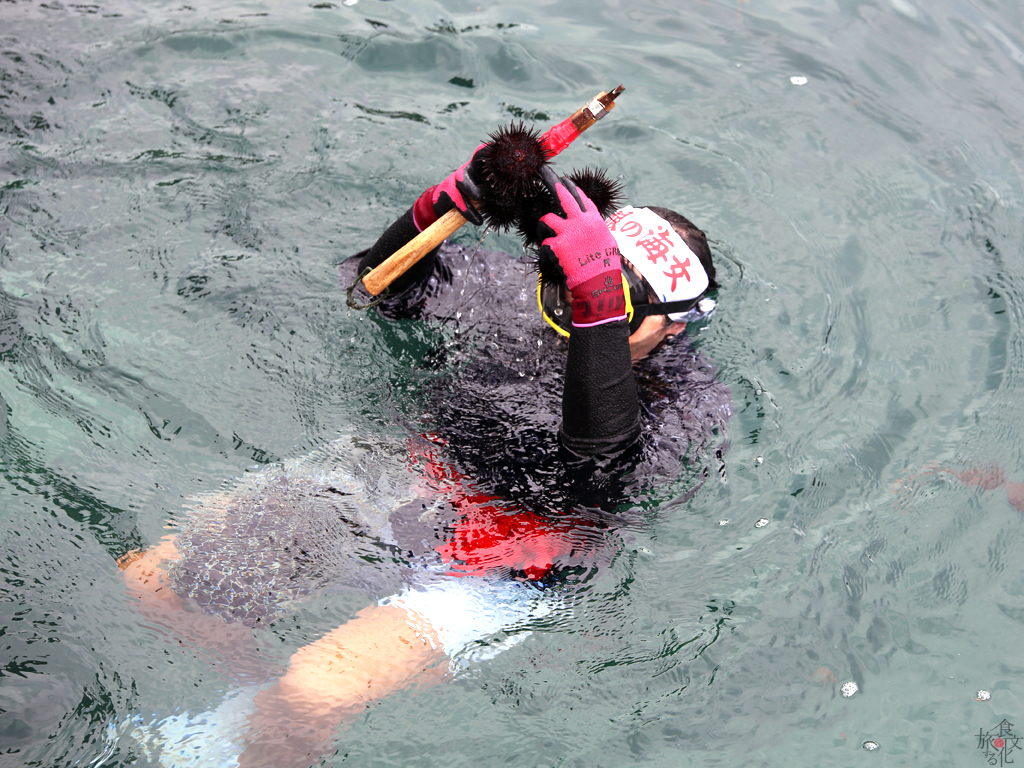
[(533, 417), (516, 443)]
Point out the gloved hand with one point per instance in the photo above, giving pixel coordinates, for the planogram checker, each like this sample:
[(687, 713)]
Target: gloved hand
[(457, 191), (576, 236)]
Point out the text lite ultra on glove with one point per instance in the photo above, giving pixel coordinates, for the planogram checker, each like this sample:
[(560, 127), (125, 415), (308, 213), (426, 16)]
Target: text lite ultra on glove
[(587, 253)]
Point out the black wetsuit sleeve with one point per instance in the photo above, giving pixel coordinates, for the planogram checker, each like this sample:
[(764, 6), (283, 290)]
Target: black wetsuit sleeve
[(600, 409), (398, 234)]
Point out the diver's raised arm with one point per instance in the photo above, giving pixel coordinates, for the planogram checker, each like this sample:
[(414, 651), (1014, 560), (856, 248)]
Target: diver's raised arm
[(457, 192), (600, 409)]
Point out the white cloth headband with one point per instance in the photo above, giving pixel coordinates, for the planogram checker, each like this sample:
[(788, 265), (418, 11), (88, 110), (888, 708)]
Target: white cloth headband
[(658, 253)]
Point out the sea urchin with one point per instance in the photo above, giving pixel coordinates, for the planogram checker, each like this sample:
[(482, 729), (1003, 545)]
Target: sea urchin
[(510, 162), (606, 193), (515, 155)]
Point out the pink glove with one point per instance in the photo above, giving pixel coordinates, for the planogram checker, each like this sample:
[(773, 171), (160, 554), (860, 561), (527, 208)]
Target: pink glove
[(457, 191), (576, 235)]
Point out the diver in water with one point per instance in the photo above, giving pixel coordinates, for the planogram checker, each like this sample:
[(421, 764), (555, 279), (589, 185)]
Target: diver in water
[(530, 450)]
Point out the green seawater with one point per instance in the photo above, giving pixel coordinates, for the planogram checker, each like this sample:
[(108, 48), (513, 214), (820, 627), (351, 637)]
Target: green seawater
[(179, 182)]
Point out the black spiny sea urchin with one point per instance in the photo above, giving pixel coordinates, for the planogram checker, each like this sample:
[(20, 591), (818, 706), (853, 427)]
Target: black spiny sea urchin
[(514, 158), (606, 193), (511, 161)]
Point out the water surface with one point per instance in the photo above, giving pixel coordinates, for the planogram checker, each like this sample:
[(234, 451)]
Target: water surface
[(178, 184)]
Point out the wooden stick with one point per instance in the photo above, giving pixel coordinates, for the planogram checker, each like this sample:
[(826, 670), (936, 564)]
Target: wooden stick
[(556, 139), (398, 263)]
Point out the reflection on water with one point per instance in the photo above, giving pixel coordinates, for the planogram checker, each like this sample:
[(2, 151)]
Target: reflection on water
[(178, 183)]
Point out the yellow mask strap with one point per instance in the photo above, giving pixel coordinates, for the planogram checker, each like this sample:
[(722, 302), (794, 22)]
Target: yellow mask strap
[(559, 329)]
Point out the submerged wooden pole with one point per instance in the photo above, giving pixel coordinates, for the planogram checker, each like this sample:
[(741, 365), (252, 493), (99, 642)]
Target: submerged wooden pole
[(556, 139)]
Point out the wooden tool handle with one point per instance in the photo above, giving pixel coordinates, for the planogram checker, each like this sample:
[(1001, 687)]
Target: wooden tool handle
[(401, 261), (556, 139)]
